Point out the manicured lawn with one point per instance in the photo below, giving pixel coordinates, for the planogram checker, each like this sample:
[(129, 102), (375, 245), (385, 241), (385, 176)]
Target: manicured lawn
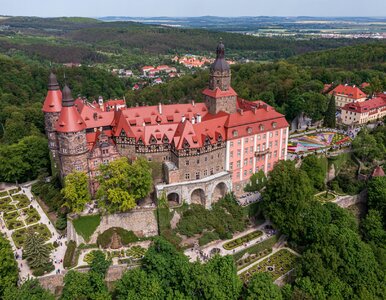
[(32, 215), (14, 191), (85, 226), (276, 265), (242, 240), (3, 193), (23, 200), (136, 252), (5, 200), (6, 207), (11, 220), (20, 235)]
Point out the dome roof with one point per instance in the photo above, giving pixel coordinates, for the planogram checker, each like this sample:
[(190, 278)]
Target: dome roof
[(67, 99), (52, 82), (220, 64)]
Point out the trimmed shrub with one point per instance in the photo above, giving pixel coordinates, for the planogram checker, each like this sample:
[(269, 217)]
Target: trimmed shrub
[(69, 255), (208, 237), (127, 237)]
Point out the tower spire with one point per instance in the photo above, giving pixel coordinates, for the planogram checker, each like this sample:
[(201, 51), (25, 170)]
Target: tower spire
[(67, 100)]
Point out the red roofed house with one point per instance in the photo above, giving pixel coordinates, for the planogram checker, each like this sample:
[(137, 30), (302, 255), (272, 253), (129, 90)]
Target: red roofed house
[(207, 149), (347, 94), (363, 112), (378, 172)]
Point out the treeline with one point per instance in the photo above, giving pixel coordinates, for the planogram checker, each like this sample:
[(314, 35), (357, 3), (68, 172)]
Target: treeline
[(83, 40)]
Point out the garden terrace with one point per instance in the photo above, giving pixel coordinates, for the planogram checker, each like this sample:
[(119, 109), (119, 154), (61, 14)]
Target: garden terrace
[(12, 220), (3, 193), (14, 191), (126, 237), (19, 236), (242, 240), (277, 264), (22, 200), (32, 216)]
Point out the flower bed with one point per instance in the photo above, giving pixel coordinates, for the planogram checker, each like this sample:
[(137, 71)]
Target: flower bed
[(11, 220), (241, 240), (14, 191), (19, 236), (323, 198), (276, 265), (242, 263), (32, 215), (127, 237), (6, 207), (136, 252), (5, 200), (3, 193), (22, 200)]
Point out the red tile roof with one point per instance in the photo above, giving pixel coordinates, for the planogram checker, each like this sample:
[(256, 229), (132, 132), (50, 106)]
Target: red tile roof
[(217, 93), (53, 101), (70, 120), (368, 105), (378, 172), (349, 91)]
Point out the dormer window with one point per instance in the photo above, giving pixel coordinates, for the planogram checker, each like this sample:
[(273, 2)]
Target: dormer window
[(235, 133), (165, 140), (274, 124), (207, 141), (249, 130), (186, 145), (140, 142), (123, 133), (219, 139), (153, 140), (261, 127)]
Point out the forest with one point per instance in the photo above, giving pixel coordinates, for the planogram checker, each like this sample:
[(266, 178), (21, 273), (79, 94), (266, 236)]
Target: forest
[(89, 41)]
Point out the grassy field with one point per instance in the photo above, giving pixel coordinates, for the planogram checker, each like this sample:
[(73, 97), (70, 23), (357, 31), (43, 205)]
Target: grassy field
[(85, 226)]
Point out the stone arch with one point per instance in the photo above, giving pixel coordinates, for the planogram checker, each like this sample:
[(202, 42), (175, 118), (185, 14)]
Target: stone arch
[(198, 197), (219, 191), (173, 199)]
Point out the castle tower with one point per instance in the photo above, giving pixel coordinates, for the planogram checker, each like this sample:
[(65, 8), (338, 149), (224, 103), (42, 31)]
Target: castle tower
[(51, 108), (220, 96), (71, 132)]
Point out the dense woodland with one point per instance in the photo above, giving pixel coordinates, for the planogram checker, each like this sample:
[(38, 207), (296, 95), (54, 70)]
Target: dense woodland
[(82, 40)]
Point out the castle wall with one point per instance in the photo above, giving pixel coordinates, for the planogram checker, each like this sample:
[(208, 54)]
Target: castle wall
[(227, 104)]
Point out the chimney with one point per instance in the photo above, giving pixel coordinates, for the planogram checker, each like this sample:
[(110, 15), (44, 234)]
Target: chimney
[(240, 110), (198, 117), (160, 108), (193, 120), (183, 118), (353, 86), (95, 116), (193, 103), (100, 102)]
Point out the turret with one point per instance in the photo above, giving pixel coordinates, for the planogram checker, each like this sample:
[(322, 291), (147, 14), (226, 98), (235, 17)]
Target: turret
[(51, 108), (71, 132), (220, 96)]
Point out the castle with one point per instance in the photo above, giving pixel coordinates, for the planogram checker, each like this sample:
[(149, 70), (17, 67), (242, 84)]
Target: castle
[(206, 149)]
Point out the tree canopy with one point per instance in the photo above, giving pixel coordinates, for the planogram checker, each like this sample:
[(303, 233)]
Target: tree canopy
[(76, 191)]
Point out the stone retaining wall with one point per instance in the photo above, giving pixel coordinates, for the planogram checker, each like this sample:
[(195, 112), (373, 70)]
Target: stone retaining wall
[(347, 201)]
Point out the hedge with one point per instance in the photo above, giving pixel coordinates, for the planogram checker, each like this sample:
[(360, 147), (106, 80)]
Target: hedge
[(69, 255), (267, 244), (127, 237)]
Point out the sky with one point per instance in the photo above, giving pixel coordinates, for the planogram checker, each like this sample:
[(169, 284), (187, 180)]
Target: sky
[(184, 8)]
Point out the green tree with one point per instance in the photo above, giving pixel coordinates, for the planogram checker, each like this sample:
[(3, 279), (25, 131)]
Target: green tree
[(77, 286), (8, 266), (76, 191), (377, 195), (372, 228), (29, 290), (36, 251), (256, 182), (366, 146), (330, 115), (261, 287), (122, 183), (316, 169), (15, 128)]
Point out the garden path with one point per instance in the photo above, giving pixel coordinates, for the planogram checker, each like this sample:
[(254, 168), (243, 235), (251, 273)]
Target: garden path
[(56, 255), (195, 253)]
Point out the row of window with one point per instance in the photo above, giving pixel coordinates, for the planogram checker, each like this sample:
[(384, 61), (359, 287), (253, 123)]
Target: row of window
[(259, 137), (187, 162), (205, 173)]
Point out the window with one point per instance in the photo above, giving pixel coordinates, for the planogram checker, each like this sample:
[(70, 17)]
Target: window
[(270, 134), (251, 149), (238, 153), (197, 175), (246, 140), (245, 172), (211, 157), (231, 144), (252, 138), (249, 130), (269, 155), (257, 169), (282, 152), (246, 151), (250, 171), (277, 133), (95, 163), (211, 171), (231, 166), (269, 166), (198, 161), (270, 144), (206, 158), (235, 133), (186, 163), (258, 148), (245, 161), (187, 176), (263, 147), (275, 153), (258, 137), (238, 164), (251, 160), (239, 142), (205, 172), (217, 168), (231, 154), (264, 136), (276, 143), (78, 167)]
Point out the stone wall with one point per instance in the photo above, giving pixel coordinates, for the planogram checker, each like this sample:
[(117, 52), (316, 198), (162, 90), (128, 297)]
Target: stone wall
[(347, 201)]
